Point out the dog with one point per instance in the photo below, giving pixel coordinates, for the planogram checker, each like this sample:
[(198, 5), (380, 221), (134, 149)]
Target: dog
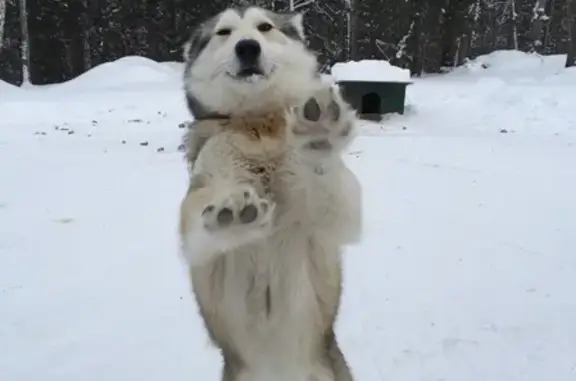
[(270, 204)]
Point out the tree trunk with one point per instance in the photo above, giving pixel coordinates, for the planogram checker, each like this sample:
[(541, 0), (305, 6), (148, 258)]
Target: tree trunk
[(352, 25), (449, 35), (25, 42), (538, 18), (455, 25), (571, 26), (513, 26), (2, 21), (86, 37), (464, 48), (414, 42)]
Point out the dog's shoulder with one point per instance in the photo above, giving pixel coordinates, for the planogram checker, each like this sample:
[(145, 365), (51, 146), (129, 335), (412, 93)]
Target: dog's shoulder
[(197, 134)]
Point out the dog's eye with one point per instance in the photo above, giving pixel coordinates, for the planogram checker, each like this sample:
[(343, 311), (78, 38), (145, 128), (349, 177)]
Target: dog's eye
[(224, 32), (265, 27)]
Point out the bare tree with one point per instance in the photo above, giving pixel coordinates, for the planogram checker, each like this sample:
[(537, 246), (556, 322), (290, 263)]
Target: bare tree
[(2, 21), (539, 17), (408, 50), (454, 27), (571, 28), (296, 5), (352, 28), (86, 36), (512, 20), (25, 42)]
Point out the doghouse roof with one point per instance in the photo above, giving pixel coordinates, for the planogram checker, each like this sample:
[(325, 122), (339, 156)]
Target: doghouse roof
[(369, 71)]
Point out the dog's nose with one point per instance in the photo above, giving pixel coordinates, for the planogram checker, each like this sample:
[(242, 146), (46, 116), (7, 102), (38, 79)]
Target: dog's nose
[(248, 51)]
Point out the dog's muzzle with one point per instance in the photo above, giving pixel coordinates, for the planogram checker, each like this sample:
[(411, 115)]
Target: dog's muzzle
[(248, 53)]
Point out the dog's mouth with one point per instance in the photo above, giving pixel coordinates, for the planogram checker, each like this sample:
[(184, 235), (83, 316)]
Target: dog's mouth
[(250, 74)]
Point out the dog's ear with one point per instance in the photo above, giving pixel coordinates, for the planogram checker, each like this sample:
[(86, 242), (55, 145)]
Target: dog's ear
[(195, 44), (289, 23), (296, 20)]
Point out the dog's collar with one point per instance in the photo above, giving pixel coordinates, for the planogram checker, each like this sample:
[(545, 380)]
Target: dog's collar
[(211, 116)]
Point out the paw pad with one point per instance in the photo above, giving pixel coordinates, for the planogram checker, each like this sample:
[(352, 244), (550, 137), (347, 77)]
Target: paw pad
[(320, 145), (311, 110), (241, 207), (248, 214), (225, 217)]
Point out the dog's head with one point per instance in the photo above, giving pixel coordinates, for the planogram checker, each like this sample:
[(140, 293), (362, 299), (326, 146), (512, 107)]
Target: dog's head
[(245, 60)]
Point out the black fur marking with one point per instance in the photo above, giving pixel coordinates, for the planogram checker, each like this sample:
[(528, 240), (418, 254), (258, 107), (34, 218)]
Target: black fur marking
[(268, 301), (290, 30), (200, 112), (197, 43), (242, 8)]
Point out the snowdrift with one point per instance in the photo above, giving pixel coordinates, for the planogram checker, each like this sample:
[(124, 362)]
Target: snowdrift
[(126, 71), (7, 89), (512, 65)]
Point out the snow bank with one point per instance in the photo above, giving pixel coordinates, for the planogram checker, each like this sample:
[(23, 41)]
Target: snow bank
[(174, 65), (8, 89), (128, 70), (369, 70), (516, 66)]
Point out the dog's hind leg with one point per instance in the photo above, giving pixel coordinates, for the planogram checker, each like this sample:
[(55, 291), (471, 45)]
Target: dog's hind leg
[(337, 361)]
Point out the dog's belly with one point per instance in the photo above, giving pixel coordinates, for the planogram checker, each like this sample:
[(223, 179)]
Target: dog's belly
[(272, 310)]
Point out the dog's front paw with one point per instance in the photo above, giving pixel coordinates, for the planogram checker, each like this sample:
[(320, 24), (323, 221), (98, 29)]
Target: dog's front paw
[(240, 210), (324, 123)]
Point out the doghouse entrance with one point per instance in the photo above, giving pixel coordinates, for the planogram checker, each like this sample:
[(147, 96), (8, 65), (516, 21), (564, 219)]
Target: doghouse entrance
[(371, 104)]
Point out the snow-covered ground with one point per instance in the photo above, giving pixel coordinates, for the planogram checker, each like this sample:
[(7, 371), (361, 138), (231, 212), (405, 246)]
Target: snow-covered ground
[(466, 272)]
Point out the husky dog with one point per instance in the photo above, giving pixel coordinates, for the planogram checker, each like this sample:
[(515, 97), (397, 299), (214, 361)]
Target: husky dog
[(270, 204)]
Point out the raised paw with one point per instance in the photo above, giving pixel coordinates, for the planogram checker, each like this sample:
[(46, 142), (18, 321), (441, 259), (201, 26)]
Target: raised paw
[(324, 123), (242, 208)]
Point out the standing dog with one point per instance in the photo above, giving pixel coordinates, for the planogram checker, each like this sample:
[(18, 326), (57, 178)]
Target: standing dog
[(270, 203)]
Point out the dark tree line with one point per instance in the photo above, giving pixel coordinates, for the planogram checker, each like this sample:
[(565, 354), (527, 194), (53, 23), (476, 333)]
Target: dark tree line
[(51, 41)]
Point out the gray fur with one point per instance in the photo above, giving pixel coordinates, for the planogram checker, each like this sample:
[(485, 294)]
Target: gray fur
[(283, 21)]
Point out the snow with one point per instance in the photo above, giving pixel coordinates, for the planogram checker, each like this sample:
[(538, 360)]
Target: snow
[(466, 270), (520, 67), (7, 89), (126, 71), (369, 70)]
